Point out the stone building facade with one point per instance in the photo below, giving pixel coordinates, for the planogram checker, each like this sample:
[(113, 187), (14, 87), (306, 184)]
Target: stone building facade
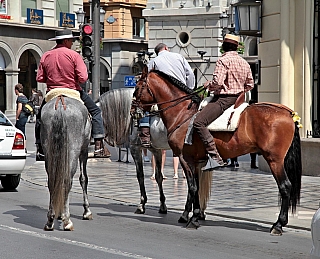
[(22, 43)]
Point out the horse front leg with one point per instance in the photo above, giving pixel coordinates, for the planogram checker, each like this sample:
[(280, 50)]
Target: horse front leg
[(83, 179), (159, 179), (284, 186), (193, 223), (184, 218), (192, 198), (137, 158)]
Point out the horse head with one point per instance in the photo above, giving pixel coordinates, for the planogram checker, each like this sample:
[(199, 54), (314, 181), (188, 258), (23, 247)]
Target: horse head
[(142, 95)]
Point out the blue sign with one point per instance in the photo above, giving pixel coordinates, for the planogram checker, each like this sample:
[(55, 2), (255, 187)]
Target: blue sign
[(67, 20), (129, 81), (34, 16)]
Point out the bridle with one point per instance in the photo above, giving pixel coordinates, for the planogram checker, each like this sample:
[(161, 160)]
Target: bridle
[(136, 103), (138, 106)]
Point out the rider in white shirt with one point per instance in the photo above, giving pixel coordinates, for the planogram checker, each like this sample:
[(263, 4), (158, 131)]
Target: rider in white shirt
[(172, 64)]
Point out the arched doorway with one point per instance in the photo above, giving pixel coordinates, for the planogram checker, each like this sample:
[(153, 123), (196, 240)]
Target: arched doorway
[(105, 80), (27, 73)]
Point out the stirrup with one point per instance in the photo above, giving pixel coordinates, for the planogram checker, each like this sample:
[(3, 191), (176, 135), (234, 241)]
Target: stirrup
[(211, 164), (146, 144)]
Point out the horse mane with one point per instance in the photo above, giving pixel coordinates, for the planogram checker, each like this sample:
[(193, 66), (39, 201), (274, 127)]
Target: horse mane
[(195, 98), (174, 81)]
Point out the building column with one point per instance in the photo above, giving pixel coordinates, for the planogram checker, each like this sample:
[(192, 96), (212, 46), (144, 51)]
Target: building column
[(286, 60), (306, 116), (11, 81)]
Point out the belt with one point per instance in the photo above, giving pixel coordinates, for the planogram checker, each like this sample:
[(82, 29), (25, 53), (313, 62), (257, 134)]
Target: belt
[(228, 95)]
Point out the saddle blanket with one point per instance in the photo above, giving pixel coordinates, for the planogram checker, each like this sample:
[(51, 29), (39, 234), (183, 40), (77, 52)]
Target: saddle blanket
[(63, 91), (221, 123)]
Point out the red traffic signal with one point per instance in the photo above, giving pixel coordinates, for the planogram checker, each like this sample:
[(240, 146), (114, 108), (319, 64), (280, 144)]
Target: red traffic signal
[(87, 41), (87, 29)]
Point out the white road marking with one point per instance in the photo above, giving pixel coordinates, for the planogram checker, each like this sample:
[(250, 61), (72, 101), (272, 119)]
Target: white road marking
[(73, 242)]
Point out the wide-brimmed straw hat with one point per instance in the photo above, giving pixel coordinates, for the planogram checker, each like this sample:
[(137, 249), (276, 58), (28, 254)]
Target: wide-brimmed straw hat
[(234, 39), (64, 34)]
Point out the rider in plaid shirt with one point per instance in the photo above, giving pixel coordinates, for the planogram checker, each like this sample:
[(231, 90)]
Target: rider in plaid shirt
[(232, 76)]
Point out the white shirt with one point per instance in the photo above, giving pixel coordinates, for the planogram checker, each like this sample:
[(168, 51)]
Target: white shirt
[(175, 65)]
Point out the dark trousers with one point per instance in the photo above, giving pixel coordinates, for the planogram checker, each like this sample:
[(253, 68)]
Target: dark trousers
[(209, 113), (21, 123), (95, 112)]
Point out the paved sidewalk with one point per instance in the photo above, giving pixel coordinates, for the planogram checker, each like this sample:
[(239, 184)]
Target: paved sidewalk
[(242, 193)]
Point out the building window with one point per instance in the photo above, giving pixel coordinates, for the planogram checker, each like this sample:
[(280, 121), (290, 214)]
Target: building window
[(27, 4), (138, 28), (61, 6)]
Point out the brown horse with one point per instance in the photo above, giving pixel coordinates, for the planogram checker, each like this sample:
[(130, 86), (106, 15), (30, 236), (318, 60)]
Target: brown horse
[(265, 128)]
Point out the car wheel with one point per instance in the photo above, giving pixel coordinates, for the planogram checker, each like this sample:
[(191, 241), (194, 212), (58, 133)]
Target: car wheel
[(10, 182)]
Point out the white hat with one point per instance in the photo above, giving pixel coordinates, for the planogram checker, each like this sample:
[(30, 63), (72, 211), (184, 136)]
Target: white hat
[(234, 39), (64, 34)]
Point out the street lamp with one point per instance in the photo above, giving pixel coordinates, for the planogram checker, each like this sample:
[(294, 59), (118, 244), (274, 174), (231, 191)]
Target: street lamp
[(80, 16), (248, 17), (102, 14), (224, 19)]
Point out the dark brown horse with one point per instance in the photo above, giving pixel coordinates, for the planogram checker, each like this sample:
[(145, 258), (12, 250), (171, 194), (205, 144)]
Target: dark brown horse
[(265, 128)]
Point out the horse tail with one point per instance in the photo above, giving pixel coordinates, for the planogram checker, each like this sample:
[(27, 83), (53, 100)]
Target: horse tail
[(293, 168), (205, 182), (59, 179), (115, 107)]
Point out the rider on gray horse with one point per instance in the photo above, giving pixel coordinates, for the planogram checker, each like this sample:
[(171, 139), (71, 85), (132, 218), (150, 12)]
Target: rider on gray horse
[(62, 67)]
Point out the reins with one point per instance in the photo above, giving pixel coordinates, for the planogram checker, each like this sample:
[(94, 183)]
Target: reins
[(174, 102)]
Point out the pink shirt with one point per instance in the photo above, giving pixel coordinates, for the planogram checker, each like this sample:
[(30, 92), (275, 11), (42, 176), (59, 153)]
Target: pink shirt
[(232, 74), (62, 68)]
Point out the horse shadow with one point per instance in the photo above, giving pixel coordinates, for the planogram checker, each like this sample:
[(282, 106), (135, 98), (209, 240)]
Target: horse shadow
[(29, 216), (171, 218)]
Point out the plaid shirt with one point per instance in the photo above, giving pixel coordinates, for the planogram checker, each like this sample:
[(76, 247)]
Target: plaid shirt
[(232, 74)]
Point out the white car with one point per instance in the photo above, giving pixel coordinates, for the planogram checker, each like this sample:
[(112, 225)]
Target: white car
[(12, 153)]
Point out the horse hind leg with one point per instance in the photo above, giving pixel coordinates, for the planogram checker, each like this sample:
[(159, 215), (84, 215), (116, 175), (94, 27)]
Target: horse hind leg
[(284, 186), (83, 179), (51, 216), (159, 178), (67, 223), (137, 158)]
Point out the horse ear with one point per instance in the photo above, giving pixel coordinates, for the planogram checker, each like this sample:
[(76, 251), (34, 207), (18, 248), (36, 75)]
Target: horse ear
[(144, 71)]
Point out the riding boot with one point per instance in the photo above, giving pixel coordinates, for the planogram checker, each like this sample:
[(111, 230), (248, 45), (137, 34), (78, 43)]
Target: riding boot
[(100, 150), (39, 153), (145, 137), (214, 159)]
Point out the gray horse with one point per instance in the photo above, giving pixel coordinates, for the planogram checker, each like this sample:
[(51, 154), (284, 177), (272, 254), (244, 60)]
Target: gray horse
[(115, 106), (65, 134)]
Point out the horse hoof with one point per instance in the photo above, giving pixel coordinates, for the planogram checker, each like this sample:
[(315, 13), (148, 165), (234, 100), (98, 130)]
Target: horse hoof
[(48, 228), (202, 216), (163, 209), (183, 219), (275, 231), (192, 225), (87, 216), (139, 211), (68, 226)]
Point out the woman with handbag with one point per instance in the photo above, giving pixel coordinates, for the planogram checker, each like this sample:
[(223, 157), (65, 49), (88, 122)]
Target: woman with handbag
[(21, 115)]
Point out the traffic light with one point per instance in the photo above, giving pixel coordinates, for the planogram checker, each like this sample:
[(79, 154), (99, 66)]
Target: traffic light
[(87, 41)]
